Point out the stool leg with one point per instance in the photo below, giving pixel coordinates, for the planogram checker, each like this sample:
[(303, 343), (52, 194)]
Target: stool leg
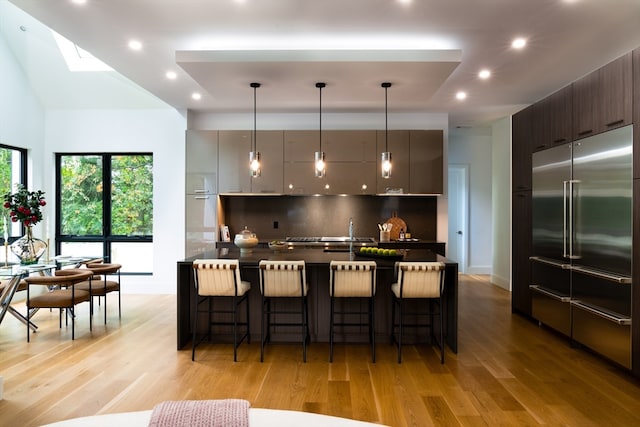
[(235, 329), (195, 328), (331, 330), (262, 325), (372, 329), (304, 329), (400, 330)]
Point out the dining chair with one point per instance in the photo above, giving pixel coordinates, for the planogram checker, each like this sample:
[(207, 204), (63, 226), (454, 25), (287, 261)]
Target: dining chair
[(220, 278), (283, 280), (100, 284), (61, 293), (415, 281), (353, 279)]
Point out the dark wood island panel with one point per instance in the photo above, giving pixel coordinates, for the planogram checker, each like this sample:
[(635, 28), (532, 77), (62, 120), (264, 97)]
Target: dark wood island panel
[(317, 265)]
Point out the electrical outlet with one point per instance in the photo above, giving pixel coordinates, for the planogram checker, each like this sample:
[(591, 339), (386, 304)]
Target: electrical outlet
[(275, 224)]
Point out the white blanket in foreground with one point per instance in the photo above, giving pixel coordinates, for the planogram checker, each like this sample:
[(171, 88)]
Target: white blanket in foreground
[(257, 418)]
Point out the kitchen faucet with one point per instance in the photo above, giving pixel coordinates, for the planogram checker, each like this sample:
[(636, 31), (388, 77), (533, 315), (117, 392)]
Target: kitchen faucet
[(351, 229)]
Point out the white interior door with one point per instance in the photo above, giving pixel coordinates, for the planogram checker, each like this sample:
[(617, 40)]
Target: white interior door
[(458, 212)]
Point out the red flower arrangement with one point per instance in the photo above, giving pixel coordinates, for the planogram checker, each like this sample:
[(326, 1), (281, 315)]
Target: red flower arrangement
[(24, 205)]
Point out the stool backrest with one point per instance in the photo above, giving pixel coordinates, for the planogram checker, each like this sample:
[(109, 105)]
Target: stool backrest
[(216, 277), (283, 278), (420, 279), (352, 278)]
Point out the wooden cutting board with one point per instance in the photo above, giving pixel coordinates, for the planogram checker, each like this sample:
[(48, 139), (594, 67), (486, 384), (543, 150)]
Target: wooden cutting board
[(398, 224)]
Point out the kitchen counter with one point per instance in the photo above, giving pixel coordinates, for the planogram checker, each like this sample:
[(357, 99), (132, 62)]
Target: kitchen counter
[(433, 246), (317, 266)]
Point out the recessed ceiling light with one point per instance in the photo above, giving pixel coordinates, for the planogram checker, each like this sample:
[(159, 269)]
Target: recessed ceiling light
[(519, 43), (196, 96), (135, 45), (461, 95), (484, 74), (405, 1), (171, 75), (79, 1)]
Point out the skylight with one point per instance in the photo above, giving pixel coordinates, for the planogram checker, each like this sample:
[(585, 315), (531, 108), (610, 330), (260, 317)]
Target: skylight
[(78, 59)]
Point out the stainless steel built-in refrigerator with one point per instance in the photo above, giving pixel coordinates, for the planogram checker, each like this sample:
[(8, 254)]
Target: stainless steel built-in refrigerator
[(582, 241)]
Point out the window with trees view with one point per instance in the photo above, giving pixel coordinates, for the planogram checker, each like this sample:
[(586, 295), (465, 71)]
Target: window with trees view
[(105, 208), (13, 170)]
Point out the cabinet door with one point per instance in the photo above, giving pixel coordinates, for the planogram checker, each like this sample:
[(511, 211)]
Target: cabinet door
[(201, 161), (349, 145), (585, 101), (521, 149), (426, 161), (270, 145), (636, 124), (615, 94), (299, 178), (200, 224), (300, 145), (233, 161), (398, 146), (351, 178), (561, 116), (522, 246), (541, 124)]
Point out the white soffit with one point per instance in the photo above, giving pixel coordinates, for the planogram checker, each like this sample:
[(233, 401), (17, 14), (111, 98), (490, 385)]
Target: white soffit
[(353, 77)]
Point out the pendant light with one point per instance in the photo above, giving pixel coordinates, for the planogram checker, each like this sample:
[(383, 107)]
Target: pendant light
[(386, 155), (320, 166), (255, 169)]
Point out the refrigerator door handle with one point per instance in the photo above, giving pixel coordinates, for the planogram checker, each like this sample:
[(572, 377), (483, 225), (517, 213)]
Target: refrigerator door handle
[(564, 219), (571, 182)]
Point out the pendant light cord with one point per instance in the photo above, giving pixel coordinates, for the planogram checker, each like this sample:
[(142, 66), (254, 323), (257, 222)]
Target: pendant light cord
[(254, 139), (386, 85), (320, 86)]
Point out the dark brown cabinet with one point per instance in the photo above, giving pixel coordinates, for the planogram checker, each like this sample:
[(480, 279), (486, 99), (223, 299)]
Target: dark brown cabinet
[(602, 99), (426, 165), (636, 113), (522, 246), (522, 128)]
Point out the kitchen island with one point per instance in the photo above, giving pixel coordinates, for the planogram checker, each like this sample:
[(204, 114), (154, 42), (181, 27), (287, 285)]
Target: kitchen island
[(317, 266)]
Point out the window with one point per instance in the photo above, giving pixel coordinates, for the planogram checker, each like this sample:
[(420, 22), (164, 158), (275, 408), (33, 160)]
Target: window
[(105, 208), (13, 170)]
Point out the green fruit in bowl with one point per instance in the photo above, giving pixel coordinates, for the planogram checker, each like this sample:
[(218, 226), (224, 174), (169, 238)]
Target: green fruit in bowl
[(375, 251), (393, 252), (385, 252)]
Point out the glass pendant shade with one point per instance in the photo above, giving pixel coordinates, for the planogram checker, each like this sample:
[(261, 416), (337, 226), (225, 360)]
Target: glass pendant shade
[(386, 164), (319, 164), (255, 168)]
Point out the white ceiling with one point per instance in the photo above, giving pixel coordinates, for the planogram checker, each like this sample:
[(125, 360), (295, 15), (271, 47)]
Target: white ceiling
[(428, 50)]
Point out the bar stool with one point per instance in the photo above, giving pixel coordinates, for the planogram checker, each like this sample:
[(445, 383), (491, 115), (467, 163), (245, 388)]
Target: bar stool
[(418, 280), (278, 280), (220, 278), (353, 279)]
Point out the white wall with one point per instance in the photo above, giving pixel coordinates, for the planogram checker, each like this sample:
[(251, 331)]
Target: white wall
[(159, 131), (21, 115), (501, 202), (473, 147)]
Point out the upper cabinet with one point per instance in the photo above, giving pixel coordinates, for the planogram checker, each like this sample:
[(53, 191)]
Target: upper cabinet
[(398, 145), (522, 146), (602, 100), (270, 144), (233, 164), (350, 162), (201, 161), (426, 159), (552, 119)]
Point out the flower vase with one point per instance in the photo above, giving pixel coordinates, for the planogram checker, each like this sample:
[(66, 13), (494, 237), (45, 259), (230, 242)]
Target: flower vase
[(28, 248)]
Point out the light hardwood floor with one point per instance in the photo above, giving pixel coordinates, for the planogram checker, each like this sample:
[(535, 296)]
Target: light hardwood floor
[(508, 371)]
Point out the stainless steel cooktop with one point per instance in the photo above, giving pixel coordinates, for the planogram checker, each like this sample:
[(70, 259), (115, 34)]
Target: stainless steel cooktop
[(329, 240)]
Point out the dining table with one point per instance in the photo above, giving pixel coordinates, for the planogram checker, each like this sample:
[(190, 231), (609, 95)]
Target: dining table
[(317, 263), (11, 275)]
